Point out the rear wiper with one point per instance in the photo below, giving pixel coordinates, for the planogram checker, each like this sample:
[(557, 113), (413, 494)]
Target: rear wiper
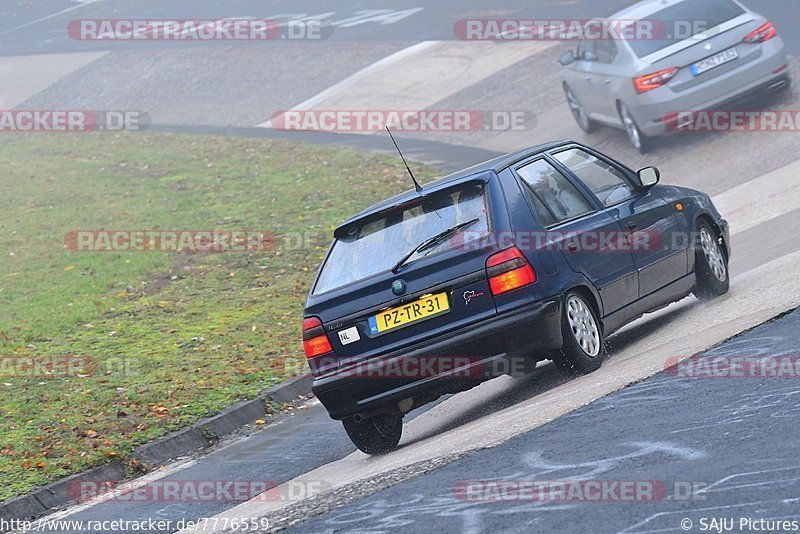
[(432, 242)]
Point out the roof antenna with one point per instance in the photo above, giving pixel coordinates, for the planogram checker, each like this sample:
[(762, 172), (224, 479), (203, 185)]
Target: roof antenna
[(416, 184)]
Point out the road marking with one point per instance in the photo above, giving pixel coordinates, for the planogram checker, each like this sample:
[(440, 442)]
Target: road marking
[(24, 76), (762, 199), (353, 79), (79, 5), (421, 75)]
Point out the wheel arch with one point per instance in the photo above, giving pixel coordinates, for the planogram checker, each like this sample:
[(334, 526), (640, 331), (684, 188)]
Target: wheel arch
[(704, 216)]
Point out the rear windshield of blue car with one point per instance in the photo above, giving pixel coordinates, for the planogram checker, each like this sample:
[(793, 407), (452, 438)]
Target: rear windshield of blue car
[(373, 247), (685, 20)]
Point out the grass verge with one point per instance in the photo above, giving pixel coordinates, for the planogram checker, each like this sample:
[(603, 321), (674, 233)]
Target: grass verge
[(103, 351)]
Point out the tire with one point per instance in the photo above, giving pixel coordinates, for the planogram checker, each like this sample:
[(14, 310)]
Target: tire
[(581, 117), (711, 264), (640, 141), (584, 349), (377, 435)]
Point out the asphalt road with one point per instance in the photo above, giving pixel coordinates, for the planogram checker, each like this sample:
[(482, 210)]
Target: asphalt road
[(40, 27), (717, 447)]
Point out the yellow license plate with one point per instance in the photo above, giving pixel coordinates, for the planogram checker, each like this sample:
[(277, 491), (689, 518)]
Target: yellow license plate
[(404, 315)]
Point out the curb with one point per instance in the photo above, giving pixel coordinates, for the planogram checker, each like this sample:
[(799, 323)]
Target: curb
[(200, 435)]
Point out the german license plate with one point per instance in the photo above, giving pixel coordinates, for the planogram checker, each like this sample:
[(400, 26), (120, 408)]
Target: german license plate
[(714, 61), (410, 313)]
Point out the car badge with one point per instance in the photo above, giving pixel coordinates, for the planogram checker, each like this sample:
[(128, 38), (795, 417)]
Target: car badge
[(398, 287)]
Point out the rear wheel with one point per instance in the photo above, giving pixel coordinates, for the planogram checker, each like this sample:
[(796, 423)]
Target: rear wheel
[(581, 117), (711, 264), (377, 435), (584, 348), (639, 141)]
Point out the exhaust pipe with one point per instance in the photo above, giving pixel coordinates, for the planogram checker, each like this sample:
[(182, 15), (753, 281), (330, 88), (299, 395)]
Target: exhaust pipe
[(777, 85)]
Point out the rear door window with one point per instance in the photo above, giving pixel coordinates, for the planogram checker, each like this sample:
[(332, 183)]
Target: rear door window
[(373, 247), (554, 198)]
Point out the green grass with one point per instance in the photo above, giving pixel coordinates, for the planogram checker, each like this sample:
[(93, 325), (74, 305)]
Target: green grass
[(171, 337)]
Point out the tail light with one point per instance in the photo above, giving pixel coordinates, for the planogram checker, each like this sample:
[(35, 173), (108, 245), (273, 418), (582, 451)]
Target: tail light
[(653, 81), (508, 270), (315, 341), (764, 33)]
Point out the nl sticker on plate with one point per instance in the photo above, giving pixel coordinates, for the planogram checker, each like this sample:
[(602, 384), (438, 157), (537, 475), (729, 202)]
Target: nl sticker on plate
[(349, 336)]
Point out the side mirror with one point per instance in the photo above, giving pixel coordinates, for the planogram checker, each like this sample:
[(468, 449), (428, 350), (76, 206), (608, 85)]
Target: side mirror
[(567, 59), (649, 176)]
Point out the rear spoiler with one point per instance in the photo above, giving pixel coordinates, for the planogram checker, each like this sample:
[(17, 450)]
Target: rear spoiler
[(405, 202)]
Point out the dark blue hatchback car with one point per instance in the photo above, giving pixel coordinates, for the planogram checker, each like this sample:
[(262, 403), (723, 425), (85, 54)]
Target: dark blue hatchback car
[(535, 255)]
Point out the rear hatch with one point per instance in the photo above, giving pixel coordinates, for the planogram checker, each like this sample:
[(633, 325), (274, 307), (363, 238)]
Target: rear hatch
[(367, 309)]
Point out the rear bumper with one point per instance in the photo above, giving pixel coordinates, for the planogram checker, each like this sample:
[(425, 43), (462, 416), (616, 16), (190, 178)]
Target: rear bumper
[(446, 364)]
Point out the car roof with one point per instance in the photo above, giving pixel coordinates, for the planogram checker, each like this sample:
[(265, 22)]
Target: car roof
[(494, 165)]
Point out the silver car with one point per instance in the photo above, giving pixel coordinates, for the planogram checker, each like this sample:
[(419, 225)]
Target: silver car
[(702, 54)]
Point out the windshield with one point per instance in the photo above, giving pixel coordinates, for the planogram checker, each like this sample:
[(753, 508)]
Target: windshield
[(685, 20), (376, 246)]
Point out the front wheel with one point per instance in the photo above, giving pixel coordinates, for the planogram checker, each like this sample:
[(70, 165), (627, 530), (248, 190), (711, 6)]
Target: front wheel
[(377, 435), (581, 117), (584, 348), (711, 264), (640, 141)]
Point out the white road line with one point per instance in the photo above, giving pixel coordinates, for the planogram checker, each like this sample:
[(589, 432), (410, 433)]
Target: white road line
[(762, 199), (24, 76), (418, 77), (360, 75), (83, 3)]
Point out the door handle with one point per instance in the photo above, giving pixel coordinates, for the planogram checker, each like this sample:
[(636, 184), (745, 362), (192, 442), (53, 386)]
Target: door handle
[(607, 82), (588, 78), (633, 226), (573, 248)]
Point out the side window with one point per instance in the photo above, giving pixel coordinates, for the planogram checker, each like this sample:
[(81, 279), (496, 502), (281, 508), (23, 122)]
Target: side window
[(606, 51), (608, 183), (554, 198)]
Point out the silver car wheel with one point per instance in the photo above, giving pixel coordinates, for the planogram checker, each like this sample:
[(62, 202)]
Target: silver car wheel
[(583, 326), (630, 127), (713, 254), (577, 110)]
